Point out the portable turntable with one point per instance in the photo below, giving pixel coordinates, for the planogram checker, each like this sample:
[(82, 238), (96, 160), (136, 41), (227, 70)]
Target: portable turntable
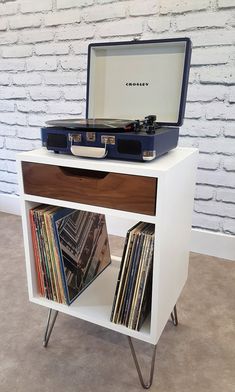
[(135, 103)]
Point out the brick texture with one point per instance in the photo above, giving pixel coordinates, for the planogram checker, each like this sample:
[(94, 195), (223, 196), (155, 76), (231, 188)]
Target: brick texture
[(8, 8), (181, 6), (62, 17), (35, 6), (99, 13), (24, 21), (43, 49)]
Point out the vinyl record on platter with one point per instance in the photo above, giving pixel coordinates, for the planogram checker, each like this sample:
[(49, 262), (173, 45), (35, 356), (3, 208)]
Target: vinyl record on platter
[(94, 124)]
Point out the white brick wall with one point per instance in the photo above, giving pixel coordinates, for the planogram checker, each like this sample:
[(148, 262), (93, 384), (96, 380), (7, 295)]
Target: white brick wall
[(43, 46), (35, 6)]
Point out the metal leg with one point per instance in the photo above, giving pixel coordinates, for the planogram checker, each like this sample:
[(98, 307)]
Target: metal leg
[(49, 327), (149, 383), (174, 316)]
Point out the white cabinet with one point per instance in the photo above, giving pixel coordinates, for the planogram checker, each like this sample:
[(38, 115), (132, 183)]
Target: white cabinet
[(174, 176)]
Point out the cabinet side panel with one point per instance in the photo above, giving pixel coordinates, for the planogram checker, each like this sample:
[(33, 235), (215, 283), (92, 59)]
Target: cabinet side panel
[(173, 230), (29, 257)]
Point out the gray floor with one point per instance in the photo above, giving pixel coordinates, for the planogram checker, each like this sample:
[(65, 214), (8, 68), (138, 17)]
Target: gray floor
[(198, 355)]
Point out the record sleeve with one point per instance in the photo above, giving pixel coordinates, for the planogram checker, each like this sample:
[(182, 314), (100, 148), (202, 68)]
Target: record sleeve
[(138, 262), (144, 292), (124, 283), (46, 251), (133, 304), (52, 251), (42, 256), (132, 277), (83, 247), (36, 254), (122, 274)]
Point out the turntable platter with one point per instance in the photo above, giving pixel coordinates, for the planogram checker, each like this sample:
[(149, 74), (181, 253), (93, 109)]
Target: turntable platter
[(91, 123)]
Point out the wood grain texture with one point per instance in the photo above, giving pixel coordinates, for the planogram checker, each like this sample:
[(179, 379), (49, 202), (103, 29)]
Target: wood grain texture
[(111, 190)]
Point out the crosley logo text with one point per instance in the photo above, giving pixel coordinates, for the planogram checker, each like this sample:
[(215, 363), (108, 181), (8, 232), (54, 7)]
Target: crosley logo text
[(134, 84)]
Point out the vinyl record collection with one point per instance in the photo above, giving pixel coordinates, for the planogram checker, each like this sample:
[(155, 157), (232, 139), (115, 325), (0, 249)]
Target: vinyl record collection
[(71, 249), (132, 300)]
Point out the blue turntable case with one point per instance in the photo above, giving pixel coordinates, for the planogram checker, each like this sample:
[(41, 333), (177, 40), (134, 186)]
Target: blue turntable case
[(130, 80)]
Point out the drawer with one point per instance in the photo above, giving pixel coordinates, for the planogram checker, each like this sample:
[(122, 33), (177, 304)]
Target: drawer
[(113, 190)]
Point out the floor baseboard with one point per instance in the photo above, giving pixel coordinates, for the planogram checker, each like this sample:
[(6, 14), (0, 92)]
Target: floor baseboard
[(202, 241), (213, 244), (10, 204)]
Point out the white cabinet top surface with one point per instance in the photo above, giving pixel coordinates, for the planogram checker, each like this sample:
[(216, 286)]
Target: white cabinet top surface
[(149, 169)]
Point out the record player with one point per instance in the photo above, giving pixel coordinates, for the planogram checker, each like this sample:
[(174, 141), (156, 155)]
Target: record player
[(135, 103)]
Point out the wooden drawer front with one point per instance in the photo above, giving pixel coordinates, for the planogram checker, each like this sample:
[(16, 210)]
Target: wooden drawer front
[(113, 190)]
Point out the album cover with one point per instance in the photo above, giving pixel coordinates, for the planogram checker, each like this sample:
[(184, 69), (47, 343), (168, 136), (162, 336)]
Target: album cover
[(83, 246)]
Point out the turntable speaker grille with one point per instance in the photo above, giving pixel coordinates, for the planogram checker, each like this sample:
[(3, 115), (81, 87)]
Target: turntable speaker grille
[(132, 147), (56, 140)]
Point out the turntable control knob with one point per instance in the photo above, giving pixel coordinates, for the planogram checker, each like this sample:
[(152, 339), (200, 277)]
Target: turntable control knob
[(150, 129), (150, 119), (136, 126)]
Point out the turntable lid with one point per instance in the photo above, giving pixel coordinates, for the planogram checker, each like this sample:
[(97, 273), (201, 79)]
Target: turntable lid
[(136, 78)]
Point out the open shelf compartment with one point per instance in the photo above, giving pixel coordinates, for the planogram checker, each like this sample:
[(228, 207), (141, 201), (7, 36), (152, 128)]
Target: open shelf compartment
[(94, 304)]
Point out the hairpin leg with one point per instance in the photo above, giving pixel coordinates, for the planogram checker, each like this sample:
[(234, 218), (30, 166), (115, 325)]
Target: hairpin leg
[(149, 383), (49, 327), (174, 316)]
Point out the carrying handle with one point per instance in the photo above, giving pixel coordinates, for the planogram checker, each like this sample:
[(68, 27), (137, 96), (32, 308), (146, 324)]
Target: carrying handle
[(88, 152)]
